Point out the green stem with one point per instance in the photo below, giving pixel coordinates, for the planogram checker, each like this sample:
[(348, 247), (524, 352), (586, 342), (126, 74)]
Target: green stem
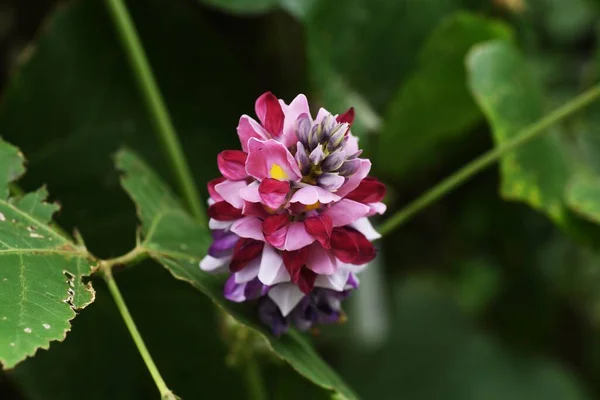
[(254, 381), (156, 106), (135, 334), (485, 160)]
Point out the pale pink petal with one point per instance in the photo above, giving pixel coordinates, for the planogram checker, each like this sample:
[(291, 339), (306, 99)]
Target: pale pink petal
[(363, 225), (214, 224), (213, 264), (249, 128), (272, 271), (336, 281), (297, 107), (321, 261), (271, 159), (286, 296), (249, 272), (321, 114), (311, 194), (354, 179), (297, 237), (250, 193), (230, 192), (346, 211), (248, 227), (351, 145)]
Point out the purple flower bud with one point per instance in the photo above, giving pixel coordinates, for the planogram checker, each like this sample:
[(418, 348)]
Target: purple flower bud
[(330, 181), (337, 136), (314, 137), (334, 161), (349, 167), (317, 155), (303, 126), (302, 159), (269, 314)]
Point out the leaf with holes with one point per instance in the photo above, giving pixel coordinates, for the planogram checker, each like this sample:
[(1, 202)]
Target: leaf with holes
[(177, 242), (40, 270)]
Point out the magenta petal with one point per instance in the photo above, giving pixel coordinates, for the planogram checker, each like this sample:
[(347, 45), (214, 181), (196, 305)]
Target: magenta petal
[(271, 159), (354, 179), (230, 192), (308, 195), (232, 164), (248, 227), (250, 193), (321, 261), (270, 114), (297, 237), (346, 211), (249, 128), (273, 193)]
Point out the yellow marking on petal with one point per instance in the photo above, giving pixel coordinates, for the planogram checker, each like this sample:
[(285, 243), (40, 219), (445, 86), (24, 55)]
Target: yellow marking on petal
[(276, 172), (313, 206)]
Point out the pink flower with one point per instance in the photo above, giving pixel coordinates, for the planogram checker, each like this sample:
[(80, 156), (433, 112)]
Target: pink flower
[(290, 213)]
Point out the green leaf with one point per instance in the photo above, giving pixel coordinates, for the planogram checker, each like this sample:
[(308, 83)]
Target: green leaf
[(583, 196), (434, 105), (368, 46), (41, 272), (177, 242), (243, 6), (537, 172)]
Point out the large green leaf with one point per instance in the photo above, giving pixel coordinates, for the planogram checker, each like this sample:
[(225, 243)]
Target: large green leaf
[(176, 241), (41, 272), (537, 172), (434, 105), (368, 46)]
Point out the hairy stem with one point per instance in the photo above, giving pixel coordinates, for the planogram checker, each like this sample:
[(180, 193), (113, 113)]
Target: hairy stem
[(487, 159), (135, 334), (156, 106)]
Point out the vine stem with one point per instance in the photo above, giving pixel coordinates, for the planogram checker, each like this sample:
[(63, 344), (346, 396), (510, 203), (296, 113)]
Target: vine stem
[(156, 107), (485, 160), (135, 334)]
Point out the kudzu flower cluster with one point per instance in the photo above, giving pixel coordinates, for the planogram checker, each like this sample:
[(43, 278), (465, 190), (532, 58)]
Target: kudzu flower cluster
[(289, 216)]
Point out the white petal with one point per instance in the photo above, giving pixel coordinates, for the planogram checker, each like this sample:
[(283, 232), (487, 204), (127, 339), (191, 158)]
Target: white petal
[(286, 296), (272, 270), (214, 224), (363, 225), (249, 272), (336, 281), (210, 263)]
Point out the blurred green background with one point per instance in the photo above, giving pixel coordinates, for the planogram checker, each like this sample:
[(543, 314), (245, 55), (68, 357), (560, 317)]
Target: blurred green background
[(478, 297)]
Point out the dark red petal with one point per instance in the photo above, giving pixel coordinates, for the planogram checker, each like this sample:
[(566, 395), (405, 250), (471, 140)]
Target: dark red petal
[(245, 251), (347, 117), (273, 192), (320, 227), (351, 246), (223, 211), (369, 190), (306, 281), (232, 164), (295, 263), (211, 188), (275, 229), (270, 114)]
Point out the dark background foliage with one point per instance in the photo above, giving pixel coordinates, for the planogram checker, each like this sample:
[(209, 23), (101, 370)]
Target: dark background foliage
[(476, 298)]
